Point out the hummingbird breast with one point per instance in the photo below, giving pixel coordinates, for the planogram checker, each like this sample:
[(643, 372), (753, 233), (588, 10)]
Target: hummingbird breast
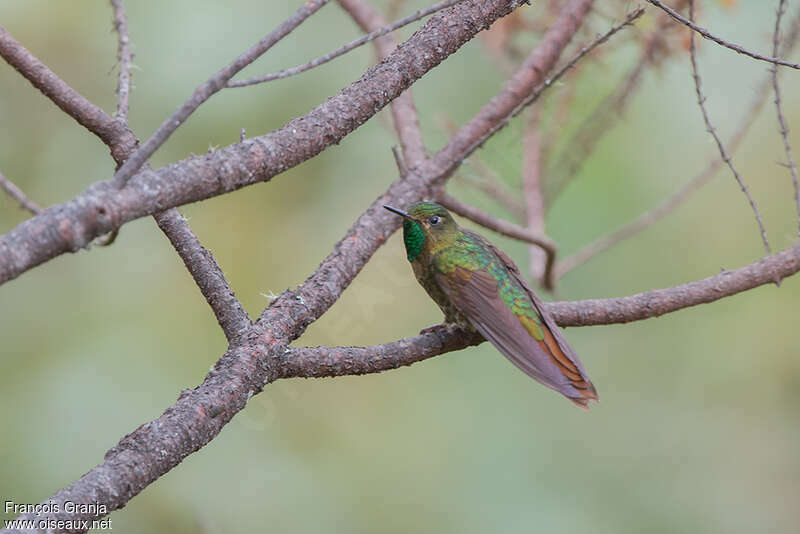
[(424, 273)]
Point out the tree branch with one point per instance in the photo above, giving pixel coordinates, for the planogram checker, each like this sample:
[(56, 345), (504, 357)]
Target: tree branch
[(787, 146), (708, 35), (125, 58), (114, 133), (314, 362), (501, 227), (384, 29), (527, 85), (404, 113), (100, 209), (531, 74), (207, 274), (199, 414), (209, 88), (711, 130), (649, 218), (669, 205), (122, 142), (487, 180), (16, 193), (599, 122), (320, 362)]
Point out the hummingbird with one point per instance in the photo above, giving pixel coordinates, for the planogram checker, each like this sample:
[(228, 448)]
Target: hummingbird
[(479, 288)]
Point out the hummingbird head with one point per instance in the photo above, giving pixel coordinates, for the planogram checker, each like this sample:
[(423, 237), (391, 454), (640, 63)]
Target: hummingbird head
[(426, 226)]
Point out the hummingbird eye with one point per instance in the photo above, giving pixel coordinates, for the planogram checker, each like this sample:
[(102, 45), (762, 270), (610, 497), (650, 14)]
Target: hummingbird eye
[(434, 220)]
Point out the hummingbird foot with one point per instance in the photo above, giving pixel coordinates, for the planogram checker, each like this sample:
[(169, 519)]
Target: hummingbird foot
[(435, 328)]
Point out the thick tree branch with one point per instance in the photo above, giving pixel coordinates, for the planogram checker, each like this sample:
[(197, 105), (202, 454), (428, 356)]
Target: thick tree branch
[(199, 414), (319, 362), (708, 35), (384, 29), (200, 262), (209, 88), (523, 89), (313, 362), (71, 226), (404, 113), (517, 89)]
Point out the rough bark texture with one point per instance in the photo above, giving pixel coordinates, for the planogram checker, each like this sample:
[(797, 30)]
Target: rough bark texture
[(259, 352), (102, 208)]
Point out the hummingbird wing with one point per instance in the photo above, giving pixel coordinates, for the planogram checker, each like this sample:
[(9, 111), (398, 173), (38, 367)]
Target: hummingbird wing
[(503, 308)]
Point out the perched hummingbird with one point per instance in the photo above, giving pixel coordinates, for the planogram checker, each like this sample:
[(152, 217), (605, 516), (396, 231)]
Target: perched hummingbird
[(478, 287)]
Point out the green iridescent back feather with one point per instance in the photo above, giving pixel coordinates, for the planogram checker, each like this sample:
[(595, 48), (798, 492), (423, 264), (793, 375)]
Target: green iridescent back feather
[(471, 253)]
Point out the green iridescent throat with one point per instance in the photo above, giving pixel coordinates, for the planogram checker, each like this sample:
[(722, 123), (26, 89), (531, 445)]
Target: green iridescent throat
[(414, 238)]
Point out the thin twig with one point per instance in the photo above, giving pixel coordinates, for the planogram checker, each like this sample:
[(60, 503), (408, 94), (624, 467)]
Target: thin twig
[(487, 180), (16, 193), (647, 219), (536, 93), (125, 58), (404, 113), (422, 13), (199, 414), (209, 88), (599, 122), (315, 362), (207, 274), (787, 146), (708, 35), (199, 261), (120, 139), (710, 128), (504, 228), (258, 159), (114, 133)]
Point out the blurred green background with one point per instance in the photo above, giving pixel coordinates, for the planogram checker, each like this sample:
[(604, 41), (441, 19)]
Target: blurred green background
[(698, 429)]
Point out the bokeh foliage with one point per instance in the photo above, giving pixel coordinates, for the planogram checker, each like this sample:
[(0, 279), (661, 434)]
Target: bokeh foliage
[(698, 428)]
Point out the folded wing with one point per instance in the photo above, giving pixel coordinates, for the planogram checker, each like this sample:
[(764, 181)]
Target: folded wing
[(501, 306)]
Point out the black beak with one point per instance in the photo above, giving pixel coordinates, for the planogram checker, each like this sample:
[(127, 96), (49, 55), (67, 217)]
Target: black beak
[(399, 212)]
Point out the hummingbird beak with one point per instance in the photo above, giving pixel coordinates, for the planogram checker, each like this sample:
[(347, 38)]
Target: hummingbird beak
[(397, 211)]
